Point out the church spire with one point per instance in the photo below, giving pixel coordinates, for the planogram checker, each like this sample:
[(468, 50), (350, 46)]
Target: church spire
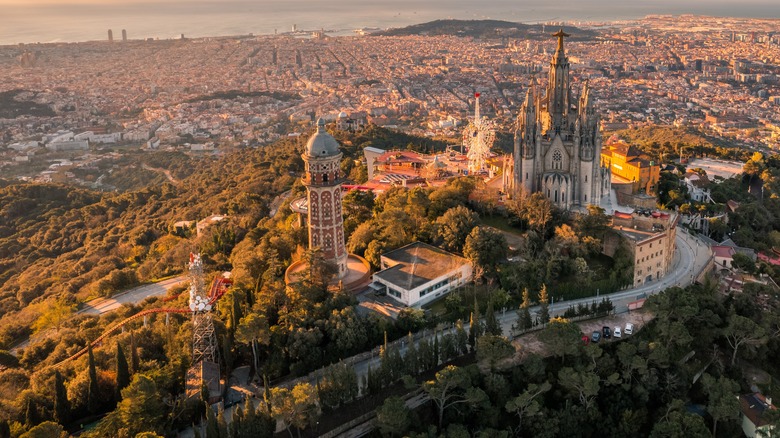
[(558, 93)]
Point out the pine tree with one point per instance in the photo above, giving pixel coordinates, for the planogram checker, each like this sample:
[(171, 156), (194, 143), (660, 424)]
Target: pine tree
[(122, 372), (61, 404), (544, 310), (524, 321), (93, 395)]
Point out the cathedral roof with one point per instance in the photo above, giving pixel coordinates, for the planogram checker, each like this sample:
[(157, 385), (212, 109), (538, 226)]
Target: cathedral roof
[(322, 144)]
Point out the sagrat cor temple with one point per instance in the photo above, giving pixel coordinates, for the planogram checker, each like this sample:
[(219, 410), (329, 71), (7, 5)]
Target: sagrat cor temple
[(558, 142)]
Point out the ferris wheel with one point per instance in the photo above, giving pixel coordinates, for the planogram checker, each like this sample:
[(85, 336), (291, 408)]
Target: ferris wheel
[(478, 138)]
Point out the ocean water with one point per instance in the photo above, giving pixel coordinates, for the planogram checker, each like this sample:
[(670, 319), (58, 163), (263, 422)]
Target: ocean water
[(29, 21)]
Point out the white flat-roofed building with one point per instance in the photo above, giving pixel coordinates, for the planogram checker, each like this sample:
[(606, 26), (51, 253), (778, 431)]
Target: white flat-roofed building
[(419, 273), (68, 145)]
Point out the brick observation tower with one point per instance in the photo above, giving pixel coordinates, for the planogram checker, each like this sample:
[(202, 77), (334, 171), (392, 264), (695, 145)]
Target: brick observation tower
[(323, 184)]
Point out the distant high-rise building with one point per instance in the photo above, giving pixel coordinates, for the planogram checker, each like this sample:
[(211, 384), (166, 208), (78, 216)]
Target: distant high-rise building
[(27, 60), (558, 142), (124, 35), (110, 36)]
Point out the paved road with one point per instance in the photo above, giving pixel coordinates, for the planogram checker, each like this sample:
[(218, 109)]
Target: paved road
[(689, 260), (100, 306)]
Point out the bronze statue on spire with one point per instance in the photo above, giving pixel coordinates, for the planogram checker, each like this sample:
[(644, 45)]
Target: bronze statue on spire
[(560, 34)]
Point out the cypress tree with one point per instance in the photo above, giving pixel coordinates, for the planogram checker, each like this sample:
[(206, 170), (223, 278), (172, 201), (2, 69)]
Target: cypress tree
[(461, 338), (235, 312), (122, 372), (411, 359), (204, 393), (266, 391), (227, 353), (5, 429), (491, 323), (544, 310), (221, 423), (235, 428), (524, 321), (435, 352), (475, 329), (93, 396), (249, 422), (31, 414), (133, 354), (265, 423), (212, 428), (61, 404)]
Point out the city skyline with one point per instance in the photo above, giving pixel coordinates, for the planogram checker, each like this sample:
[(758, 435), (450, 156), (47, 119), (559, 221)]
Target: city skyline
[(85, 20)]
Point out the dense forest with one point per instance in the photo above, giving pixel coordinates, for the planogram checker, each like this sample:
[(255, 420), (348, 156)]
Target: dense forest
[(61, 246)]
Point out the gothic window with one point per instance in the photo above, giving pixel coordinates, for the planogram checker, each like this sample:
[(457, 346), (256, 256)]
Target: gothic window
[(328, 241), (325, 178), (557, 159), (586, 178)]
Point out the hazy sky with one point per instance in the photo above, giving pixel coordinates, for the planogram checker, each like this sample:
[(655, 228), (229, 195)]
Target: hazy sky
[(29, 21)]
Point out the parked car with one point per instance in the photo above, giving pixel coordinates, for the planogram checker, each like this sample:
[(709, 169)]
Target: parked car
[(585, 339), (606, 332), (616, 333), (595, 337), (629, 329)]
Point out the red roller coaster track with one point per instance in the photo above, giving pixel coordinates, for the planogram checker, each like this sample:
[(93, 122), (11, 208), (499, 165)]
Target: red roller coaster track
[(218, 288)]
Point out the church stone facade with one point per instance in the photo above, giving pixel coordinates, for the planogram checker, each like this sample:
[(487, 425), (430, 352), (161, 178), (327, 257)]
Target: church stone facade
[(557, 148)]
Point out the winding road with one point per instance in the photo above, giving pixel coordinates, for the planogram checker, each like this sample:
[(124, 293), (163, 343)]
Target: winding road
[(691, 257), (99, 306)]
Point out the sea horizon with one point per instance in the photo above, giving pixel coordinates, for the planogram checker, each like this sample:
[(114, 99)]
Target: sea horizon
[(80, 22)]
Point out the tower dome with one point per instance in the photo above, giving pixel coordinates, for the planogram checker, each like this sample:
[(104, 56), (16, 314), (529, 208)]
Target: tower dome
[(322, 144)]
